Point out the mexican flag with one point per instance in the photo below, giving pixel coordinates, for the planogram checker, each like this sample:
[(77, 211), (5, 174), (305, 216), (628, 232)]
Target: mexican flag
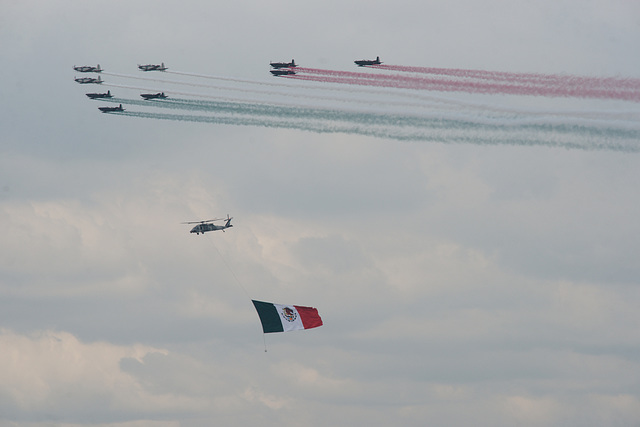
[(284, 318)]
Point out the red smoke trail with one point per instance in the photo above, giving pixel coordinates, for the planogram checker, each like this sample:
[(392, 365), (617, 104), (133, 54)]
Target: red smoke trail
[(535, 78), (348, 74), (448, 85), (604, 83)]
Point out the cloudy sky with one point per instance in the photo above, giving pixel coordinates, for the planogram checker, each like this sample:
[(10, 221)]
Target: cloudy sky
[(485, 275)]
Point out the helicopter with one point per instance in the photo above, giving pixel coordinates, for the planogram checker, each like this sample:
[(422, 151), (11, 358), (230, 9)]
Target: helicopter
[(208, 225)]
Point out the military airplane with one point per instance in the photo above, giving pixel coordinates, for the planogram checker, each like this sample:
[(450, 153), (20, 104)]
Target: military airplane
[(148, 96), (87, 80), (208, 225), (363, 62), (107, 94), (152, 67), (279, 72), (283, 64), (111, 109), (88, 69)]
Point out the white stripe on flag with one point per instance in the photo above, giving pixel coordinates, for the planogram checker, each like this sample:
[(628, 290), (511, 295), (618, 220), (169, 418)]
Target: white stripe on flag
[(289, 317)]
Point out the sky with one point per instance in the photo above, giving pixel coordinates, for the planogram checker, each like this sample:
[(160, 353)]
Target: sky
[(477, 266)]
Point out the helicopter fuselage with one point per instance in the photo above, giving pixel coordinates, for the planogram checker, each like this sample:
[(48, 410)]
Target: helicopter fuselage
[(203, 228)]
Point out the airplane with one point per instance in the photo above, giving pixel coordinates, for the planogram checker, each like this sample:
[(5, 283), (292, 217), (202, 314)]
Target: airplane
[(88, 69), (278, 72), (152, 67), (283, 64), (204, 226), (363, 62), (87, 80), (148, 96), (100, 95), (111, 109)]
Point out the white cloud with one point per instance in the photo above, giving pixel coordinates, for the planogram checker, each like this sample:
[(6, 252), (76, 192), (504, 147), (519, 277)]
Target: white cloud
[(53, 374)]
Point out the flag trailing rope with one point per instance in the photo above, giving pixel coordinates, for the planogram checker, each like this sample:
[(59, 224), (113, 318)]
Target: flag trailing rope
[(284, 318)]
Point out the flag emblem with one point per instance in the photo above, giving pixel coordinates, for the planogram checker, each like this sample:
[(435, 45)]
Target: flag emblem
[(289, 314)]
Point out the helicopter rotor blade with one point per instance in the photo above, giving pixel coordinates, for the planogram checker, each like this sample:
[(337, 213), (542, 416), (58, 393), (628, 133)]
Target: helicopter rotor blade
[(202, 222)]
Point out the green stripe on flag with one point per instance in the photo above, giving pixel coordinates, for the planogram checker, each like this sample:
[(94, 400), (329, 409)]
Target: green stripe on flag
[(268, 316)]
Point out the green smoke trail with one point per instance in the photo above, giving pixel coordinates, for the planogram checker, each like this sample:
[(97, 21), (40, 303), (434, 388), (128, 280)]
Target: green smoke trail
[(442, 131)]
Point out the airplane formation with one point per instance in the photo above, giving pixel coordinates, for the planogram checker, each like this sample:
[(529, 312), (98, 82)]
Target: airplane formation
[(278, 69), (107, 94)]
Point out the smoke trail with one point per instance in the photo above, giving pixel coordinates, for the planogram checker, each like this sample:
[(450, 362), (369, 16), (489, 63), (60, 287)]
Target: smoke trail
[(404, 82), (447, 85), (435, 120), (563, 135), (283, 111), (536, 78), (463, 122), (296, 86)]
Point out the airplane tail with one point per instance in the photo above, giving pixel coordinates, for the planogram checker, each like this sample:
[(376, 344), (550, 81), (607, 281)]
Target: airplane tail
[(98, 68), (293, 63)]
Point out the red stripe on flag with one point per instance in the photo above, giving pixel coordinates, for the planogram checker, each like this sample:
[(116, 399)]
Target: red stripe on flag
[(309, 316)]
